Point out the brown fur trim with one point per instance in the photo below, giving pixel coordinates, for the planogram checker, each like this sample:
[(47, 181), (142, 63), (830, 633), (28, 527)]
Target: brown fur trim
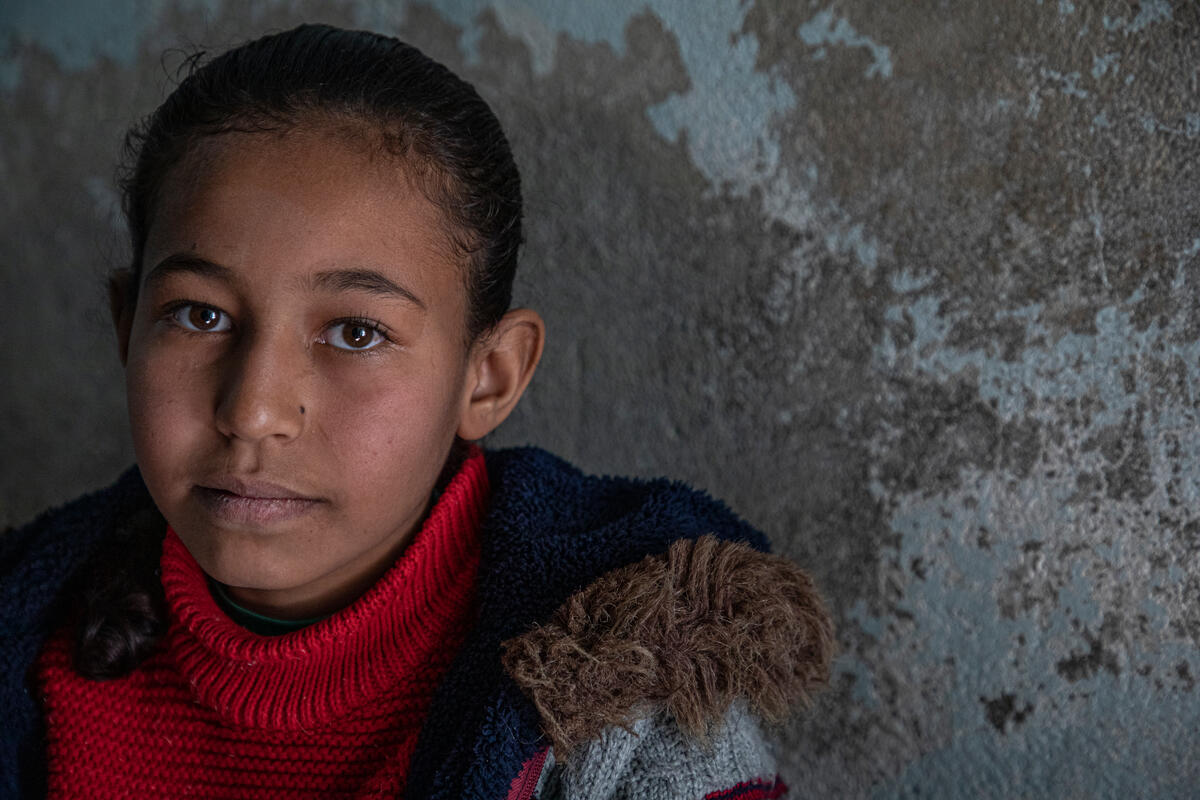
[(690, 630)]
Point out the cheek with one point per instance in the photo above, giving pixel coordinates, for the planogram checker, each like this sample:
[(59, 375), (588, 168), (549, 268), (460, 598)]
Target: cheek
[(391, 427), (167, 401)]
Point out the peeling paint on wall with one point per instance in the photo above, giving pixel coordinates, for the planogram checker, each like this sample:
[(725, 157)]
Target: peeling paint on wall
[(1079, 632), (1148, 13), (827, 29), (726, 112)]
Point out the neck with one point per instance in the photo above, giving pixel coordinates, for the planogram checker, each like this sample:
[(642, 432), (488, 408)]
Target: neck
[(252, 620), (328, 593)]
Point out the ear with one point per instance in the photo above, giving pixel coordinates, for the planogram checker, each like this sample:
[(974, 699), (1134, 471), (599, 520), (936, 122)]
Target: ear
[(121, 305), (502, 363)]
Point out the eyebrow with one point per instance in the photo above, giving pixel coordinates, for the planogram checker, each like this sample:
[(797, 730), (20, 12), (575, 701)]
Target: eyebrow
[(336, 280), (185, 262), (363, 280)]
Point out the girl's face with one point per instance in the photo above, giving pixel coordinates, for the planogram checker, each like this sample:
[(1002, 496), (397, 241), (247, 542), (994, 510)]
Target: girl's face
[(296, 366)]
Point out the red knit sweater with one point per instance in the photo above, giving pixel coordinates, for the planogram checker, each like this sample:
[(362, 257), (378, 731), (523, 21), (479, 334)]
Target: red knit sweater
[(217, 711)]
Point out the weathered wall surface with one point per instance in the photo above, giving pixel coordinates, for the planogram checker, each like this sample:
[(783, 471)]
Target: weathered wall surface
[(912, 284)]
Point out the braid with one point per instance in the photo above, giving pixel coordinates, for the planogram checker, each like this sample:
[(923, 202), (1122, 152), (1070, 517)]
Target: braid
[(119, 600)]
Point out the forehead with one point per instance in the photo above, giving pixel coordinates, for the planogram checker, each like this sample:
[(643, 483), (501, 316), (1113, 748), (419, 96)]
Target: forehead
[(282, 204)]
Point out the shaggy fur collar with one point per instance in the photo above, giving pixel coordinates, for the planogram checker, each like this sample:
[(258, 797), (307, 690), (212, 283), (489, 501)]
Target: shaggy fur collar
[(690, 630)]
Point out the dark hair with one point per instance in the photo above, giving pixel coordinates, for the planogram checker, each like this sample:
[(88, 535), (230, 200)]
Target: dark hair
[(417, 109), (372, 86)]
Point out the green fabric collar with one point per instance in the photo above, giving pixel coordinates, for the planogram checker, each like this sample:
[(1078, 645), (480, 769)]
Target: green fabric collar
[(253, 621)]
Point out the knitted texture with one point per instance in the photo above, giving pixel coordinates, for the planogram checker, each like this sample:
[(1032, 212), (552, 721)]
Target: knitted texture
[(333, 709), (35, 563), (655, 759), (549, 532), (751, 790)]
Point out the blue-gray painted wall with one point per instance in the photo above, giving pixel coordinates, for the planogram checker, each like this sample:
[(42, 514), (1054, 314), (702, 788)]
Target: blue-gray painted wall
[(913, 285)]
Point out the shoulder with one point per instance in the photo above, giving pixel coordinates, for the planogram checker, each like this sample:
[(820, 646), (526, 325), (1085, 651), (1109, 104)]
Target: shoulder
[(605, 603), (535, 491), (36, 562), (655, 677), (36, 558), (552, 521), (552, 529)]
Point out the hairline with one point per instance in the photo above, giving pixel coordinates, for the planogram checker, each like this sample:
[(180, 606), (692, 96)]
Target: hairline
[(347, 125)]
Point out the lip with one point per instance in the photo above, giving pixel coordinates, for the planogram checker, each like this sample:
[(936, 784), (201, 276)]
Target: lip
[(253, 488), (247, 501)]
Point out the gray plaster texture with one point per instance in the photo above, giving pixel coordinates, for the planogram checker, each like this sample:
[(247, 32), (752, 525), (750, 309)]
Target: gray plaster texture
[(912, 285)]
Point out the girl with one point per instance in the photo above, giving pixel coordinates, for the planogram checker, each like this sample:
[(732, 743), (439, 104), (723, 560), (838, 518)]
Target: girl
[(312, 584)]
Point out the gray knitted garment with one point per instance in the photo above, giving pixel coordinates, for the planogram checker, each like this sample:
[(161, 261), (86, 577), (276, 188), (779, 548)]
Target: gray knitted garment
[(652, 680), (655, 760)]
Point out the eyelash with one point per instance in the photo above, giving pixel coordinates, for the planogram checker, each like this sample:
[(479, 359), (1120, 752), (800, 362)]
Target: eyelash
[(377, 328), (171, 315), (373, 325)]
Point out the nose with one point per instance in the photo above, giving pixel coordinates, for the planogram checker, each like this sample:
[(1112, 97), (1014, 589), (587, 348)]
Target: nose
[(262, 386)]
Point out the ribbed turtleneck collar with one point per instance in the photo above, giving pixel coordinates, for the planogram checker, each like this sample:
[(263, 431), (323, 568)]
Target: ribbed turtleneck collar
[(322, 672)]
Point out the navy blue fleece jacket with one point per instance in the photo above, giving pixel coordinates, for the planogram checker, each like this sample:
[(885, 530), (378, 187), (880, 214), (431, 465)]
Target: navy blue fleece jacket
[(549, 532)]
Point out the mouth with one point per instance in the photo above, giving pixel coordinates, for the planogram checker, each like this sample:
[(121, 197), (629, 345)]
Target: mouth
[(252, 502)]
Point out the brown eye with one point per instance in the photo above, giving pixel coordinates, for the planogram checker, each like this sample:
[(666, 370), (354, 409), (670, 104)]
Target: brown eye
[(203, 319), (354, 336)]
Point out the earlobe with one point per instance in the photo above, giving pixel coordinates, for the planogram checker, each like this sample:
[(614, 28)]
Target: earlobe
[(121, 306), (501, 367)]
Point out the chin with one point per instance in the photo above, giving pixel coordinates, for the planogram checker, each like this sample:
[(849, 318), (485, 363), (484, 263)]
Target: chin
[(241, 561)]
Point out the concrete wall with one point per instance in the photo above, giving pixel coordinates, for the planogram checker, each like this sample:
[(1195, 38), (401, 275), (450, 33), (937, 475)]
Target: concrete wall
[(912, 284)]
